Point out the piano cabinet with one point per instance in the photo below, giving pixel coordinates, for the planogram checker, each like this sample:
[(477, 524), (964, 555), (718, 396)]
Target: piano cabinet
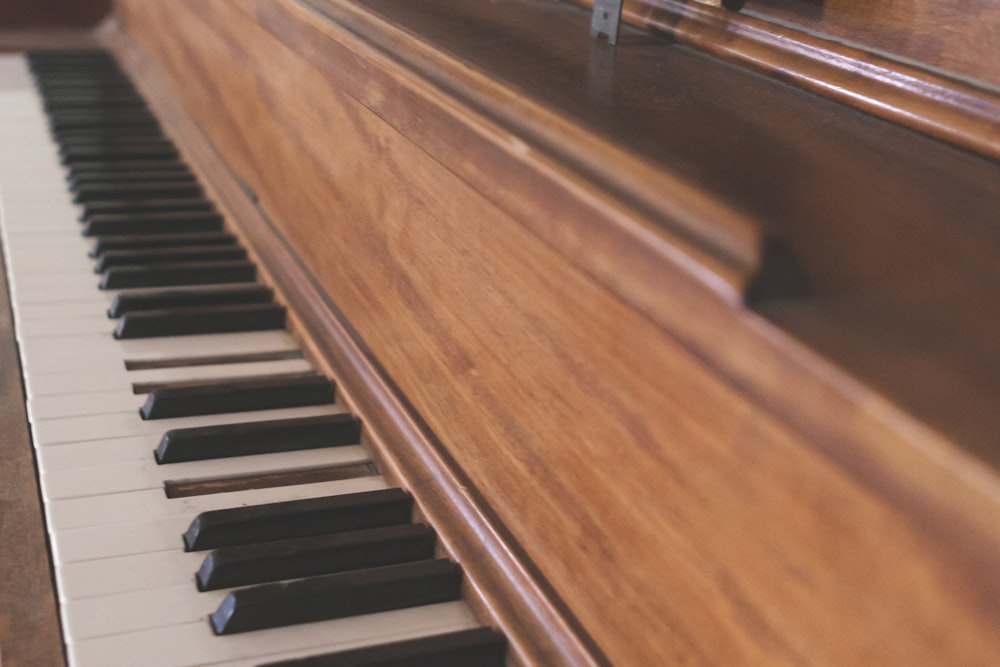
[(659, 340)]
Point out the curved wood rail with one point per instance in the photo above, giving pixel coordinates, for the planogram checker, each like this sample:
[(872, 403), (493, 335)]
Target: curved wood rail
[(923, 97)]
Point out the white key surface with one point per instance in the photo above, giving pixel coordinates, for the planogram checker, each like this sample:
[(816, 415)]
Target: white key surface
[(193, 644)]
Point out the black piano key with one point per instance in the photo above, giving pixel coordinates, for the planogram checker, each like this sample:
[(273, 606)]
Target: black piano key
[(265, 437), (185, 273), (163, 222), (104, 75), (477, 647), (107, 243), (145, 207), (193, 296), (93, 121), (86, 102), (103, 86), (99, 114), (201, 320), (129, 152), (298, 518), (100, 138), (112, 140), (239, 395), (118, 191), (105, 147), (338, 596), (145, 256), (301, 557), (80, 168), (130, 176), (43, 61)]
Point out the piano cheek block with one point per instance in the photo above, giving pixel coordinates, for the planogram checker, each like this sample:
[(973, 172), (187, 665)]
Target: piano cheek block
[(338, 596)]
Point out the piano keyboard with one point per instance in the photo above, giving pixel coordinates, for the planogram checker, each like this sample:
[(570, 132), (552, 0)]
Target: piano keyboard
[(159, 378)]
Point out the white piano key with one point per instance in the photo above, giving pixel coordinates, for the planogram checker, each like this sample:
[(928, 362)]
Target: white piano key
[(69, 279), (400, 633), (144, 610), (57, 218), (85, 291), (98, 323), (69, 259), (55, 242), (129, 538), (80, 291), (78, 455), (73, 353), (109, 379), (138, 475), (31, 312), (125, 424), (193, 644), (138, 610), (119, 539), (14, 75), (153, 504), (75, 455), (77, 405), (137, 572)]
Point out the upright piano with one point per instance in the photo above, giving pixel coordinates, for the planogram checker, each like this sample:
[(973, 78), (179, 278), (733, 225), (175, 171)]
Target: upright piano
[(462, 335)]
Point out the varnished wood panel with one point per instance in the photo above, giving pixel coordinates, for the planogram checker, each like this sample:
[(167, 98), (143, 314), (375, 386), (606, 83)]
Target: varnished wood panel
[(865, 207), (914, 92), (29, 624), (960, 37), (676, 515)]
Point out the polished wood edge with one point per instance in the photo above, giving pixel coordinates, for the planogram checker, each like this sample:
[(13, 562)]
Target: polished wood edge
[(888, 451), (608, 192), (951, 109), (500, 582), (45, 40), (29, 618)]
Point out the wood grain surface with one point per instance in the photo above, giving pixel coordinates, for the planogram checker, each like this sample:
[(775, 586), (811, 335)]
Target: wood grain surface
[(910, 88), (859, 203), (959, 37), (688, 483), (29, 622)]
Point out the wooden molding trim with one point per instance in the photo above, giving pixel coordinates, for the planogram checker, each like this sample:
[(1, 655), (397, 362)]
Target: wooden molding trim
[(947, 108), (501, 583)]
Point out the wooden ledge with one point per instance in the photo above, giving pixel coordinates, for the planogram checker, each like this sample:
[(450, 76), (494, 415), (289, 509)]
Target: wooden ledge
[(949, 108)]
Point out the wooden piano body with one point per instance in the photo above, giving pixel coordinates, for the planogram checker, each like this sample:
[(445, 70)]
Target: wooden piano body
[(685, 347)]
